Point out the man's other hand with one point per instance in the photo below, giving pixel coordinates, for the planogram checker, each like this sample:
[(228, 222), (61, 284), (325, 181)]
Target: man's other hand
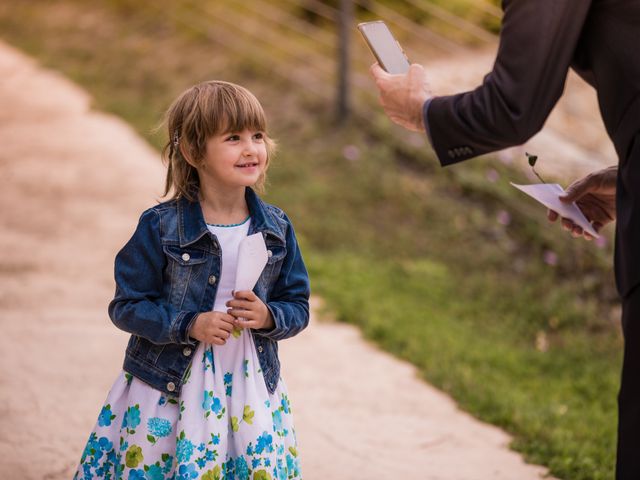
[(595, 195)]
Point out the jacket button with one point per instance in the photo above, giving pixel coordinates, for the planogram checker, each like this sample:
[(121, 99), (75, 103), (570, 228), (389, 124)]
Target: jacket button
[(260, 349), (212, 279), (186, 257), (186, 352), (451, 153), (171, 387), (269, 253)]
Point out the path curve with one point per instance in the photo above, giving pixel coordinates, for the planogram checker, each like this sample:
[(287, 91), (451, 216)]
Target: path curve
[(75, 181)]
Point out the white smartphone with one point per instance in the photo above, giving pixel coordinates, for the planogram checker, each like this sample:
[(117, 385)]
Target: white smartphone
[(384, 46)]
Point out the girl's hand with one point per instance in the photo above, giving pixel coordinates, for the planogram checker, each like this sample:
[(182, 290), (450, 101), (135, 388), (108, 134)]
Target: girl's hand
[(249, 311), (212, 327)]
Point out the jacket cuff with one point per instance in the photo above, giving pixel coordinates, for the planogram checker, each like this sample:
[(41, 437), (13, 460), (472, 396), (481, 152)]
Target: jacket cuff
[(180, 327), (277, 331)]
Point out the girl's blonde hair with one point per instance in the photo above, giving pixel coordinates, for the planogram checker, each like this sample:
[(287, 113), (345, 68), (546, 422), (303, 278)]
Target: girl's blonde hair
[(204, 110)]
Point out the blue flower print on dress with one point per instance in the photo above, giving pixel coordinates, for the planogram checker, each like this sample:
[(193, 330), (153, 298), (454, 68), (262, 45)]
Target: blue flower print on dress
[(168, 462), (280, 472), (228, 380), (208, 400), (184, 449), (277, 422), (160, 427), (242, 469), (207, 360), (104, 420), (216, 406), (293, 465), (264, 442), (105, 444), (164, 447), (228, 470), (154, 472), (131, 419), (285, 405), (212, 404), (187, 472), (137, 474)]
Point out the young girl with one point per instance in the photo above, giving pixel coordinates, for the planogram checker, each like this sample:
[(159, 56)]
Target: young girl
[(200, 395)]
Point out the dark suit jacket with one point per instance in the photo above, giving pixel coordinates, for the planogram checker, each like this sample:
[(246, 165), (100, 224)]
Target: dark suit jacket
[(540, 40)]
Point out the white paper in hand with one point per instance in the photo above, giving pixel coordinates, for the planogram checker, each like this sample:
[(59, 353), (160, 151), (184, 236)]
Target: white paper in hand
[(252, 257), (549, 194)]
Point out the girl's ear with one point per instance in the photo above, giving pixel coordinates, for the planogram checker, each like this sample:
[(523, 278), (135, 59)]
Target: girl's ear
[(186, 154)]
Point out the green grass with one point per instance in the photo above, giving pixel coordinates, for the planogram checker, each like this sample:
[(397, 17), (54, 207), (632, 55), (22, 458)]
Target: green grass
[(411, 253)]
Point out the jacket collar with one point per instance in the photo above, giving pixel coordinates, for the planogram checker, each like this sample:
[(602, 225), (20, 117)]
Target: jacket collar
[(192, 227)]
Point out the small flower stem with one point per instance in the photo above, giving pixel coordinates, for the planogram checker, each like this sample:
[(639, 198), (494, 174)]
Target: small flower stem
[(541, 179)]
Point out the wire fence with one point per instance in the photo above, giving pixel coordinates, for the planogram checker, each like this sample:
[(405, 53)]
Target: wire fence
[(301, 42)]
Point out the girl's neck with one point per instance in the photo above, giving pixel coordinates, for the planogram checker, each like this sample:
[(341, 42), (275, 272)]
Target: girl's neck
[(223, 207)]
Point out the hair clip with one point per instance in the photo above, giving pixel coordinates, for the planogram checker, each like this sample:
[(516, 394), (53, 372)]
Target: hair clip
[(176, 139)]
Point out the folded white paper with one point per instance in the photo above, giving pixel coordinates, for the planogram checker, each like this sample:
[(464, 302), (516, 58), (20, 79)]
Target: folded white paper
[(252, 257), (549, 194)]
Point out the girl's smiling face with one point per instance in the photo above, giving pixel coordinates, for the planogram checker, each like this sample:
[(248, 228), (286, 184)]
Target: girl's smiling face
[(234, 159)]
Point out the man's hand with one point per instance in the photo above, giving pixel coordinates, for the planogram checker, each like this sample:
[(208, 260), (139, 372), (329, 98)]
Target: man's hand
[(249, 311), (212, 327), (402, 96), (595, 195)]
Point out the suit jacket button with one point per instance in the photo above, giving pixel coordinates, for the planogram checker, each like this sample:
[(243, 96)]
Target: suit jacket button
[(451, 154)]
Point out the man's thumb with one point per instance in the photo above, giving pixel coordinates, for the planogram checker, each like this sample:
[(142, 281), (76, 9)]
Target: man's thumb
[(576, 191)]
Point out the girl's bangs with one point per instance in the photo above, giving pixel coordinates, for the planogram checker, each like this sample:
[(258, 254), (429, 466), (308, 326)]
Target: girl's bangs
[(235, 113)]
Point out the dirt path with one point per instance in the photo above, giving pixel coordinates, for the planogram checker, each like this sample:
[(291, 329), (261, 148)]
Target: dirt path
[(74, 183)]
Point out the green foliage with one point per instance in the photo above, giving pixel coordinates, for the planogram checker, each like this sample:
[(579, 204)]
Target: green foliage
[(451, 269)]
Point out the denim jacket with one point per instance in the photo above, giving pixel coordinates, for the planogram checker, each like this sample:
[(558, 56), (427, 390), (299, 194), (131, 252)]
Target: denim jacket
[(168, 272)]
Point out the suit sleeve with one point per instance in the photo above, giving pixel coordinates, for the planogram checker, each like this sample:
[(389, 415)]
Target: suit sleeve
[(537, 43)]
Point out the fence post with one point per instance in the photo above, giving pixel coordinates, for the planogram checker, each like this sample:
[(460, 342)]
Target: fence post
[(345, 24)]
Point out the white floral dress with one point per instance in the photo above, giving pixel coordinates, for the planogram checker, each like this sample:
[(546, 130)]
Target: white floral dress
[(224, 426)]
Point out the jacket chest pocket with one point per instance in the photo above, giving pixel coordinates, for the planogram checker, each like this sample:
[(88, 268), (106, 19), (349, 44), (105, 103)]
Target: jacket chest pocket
[(269, 276), (185, 268)]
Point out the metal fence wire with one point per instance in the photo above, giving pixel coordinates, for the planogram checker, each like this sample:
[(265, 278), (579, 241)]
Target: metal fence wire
[(302, 39)]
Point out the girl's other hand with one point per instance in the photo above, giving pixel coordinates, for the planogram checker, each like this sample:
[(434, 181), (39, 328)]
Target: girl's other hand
[(212, 327), (249, 311)]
